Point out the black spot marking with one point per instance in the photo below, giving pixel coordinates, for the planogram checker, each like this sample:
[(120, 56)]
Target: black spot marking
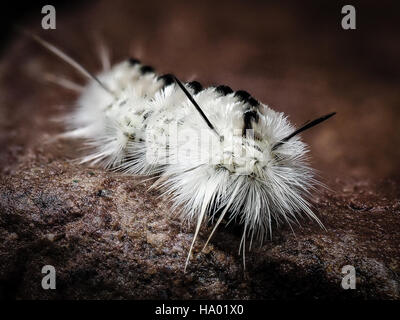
[(246, 97), (225, 90), (133, 61), (253, 102), (196, 86), (146, 69), (249, 116), (167, 78), (242, 95)]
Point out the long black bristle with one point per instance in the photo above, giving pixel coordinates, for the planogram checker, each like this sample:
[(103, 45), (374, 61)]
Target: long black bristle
[(306, 126), (67, 59), (196, 106)]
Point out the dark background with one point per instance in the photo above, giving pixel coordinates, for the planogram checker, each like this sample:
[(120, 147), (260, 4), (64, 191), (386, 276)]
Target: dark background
[(293, 56), (300, 60)]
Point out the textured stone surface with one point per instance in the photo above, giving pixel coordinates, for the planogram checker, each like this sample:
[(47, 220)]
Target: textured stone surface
[(109, 237)]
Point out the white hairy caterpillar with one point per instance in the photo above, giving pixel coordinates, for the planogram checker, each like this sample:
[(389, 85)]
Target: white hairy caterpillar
[(216, 153)]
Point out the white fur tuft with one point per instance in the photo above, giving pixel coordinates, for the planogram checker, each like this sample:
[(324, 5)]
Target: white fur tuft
[(150, 128)]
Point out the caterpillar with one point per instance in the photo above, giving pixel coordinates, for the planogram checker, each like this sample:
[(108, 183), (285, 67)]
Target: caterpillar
[(214, 152)]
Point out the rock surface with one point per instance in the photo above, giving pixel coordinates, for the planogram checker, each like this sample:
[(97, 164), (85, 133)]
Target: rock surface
[(109, 237)]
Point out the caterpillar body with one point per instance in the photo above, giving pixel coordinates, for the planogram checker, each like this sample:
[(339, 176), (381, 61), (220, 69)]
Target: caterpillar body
[(215, 152)]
